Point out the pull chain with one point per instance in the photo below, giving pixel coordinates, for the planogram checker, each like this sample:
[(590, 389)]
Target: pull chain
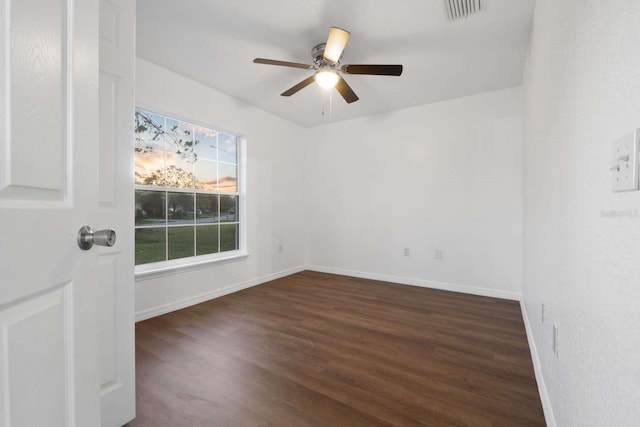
[(324, 95), (330, 106)]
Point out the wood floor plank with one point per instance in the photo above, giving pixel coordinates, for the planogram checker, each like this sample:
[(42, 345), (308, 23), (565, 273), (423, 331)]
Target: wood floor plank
[(316, 349)]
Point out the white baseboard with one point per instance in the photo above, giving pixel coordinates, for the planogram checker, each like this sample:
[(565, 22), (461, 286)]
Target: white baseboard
[(485, 292), (197, 299), (537, 368)]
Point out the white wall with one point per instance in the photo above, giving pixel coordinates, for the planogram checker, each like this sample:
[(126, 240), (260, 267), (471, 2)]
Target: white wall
[(582, 90), (274, 191), (441, 176)]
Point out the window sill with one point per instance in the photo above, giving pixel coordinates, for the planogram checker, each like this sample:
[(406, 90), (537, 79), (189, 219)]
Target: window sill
[(150, 271)]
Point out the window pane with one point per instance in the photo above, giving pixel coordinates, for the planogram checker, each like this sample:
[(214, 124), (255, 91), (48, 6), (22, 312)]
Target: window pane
[(151, 208), (149, 168), (179, 171), (206, 175), (181, 242), (228, 237), (206, 208), (227, 177), (228, 208), (150, 245), (205, 143), (227, 148), (179, 139), (149, 132), (206, 239), (181, 208)]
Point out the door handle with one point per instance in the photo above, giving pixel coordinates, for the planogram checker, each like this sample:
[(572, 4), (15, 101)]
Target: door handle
[(87, 237)]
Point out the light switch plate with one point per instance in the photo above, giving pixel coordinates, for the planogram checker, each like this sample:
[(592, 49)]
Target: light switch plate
[(624, 163)]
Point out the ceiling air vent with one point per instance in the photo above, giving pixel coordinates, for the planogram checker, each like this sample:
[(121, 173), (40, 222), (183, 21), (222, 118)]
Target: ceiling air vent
[(457, 9)]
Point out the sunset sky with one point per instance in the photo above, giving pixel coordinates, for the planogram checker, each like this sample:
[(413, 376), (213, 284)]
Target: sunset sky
[(208, 173)]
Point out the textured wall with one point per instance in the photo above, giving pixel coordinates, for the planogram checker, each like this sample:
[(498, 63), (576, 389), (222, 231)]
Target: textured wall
[(582, 90), (441, 176)]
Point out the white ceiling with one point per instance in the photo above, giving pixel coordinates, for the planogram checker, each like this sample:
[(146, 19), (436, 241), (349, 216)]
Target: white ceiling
[(214, 42)]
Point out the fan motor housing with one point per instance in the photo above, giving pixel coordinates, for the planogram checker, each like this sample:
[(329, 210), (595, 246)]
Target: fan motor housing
[(317, 53)]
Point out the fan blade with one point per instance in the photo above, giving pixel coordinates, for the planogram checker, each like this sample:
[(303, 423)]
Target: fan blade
[(336, 42), (282, 63), (306, 82), (345, 90), (377, 70)]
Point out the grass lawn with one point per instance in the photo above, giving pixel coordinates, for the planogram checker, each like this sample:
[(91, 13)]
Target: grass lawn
[(151, 243)]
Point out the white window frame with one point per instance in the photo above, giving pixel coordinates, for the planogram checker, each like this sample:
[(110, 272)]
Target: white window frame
[(170, 267)]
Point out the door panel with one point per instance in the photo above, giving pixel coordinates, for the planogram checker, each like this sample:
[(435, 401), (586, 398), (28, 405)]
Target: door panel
[(37, 372), (108, 166), (38, 101), (109, 316), (35, 106)]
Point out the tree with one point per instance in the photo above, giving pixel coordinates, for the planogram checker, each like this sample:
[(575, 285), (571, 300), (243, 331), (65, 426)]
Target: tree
[(152, 203), (177, 177), (180, 204), (207, 204), (181, 140), (228, 205)]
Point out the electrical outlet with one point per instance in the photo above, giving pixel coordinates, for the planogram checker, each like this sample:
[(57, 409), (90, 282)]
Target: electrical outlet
[(555, 340), (406, 251), (438, 254), (542, 312)]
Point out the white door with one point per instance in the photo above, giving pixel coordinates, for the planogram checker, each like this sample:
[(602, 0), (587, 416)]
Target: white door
[(115, 208), (51, 291)]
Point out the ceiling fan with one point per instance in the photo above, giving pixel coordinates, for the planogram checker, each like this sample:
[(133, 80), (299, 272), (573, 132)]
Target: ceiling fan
[(326, 63)]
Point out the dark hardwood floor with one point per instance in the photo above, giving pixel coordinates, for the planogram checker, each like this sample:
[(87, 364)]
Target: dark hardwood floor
[(316, 349)]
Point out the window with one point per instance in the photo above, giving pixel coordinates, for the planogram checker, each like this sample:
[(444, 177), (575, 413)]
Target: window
[(187, 194)]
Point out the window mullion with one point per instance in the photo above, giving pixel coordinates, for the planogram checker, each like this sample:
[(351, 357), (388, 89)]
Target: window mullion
[(166, 226)]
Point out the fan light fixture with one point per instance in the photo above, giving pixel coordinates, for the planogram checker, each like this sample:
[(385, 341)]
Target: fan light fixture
[(327, 79)]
